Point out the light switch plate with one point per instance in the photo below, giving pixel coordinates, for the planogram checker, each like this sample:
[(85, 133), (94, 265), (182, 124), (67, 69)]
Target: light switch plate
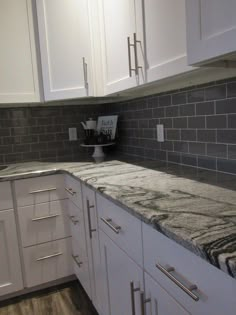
[(160, 133), (73, 134)]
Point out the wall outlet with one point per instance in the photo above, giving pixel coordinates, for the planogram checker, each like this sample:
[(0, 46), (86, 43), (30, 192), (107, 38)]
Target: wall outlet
[(73, 134), (160, 133)]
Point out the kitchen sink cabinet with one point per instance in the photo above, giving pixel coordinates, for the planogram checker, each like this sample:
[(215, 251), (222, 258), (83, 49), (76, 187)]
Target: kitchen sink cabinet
[(211, 30), (66, 48), (10, 265), (18, 62)]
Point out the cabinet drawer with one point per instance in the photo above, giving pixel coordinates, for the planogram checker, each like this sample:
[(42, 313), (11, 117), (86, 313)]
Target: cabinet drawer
[(81, 266), (123, 228), (44, 222), (47, 262), (189, 269), (73, 191), (5, 196), (40, 189)]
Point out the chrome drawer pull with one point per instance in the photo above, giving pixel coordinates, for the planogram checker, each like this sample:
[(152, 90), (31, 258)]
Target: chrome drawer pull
[(85, 69), (42, 190), (188, 290), (46, 217), (143, 301), (70, 191), (115, 228), (132, 291), (71, 217), (89, 219), (49, 256), (77, 262), (129, 57), (137, 67)]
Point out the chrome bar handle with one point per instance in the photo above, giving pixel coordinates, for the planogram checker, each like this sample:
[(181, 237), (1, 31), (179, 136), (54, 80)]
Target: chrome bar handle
[(85, 69), (143, 302), (79, 263), (132, 291), (70, 191), (188, 290), (129, 57), (136, 53), (115, 228), (46, 217), (71, 217), (89, 219), (49, 256), (42, 190)]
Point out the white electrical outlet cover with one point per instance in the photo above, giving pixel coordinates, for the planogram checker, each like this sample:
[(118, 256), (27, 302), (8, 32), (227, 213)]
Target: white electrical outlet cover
[(73, 134), (160, 133)]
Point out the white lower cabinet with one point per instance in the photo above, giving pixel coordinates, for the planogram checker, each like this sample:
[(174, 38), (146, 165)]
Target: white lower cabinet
[(10, 266), (92, 237), (123, 279), (158, 301), (81, 266), (199, 287), (125, 266), (43, 222), (79, 246), (47, 262)]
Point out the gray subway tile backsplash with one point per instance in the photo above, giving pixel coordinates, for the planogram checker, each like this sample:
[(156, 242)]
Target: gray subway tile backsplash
[(41, 133), (199, 122), (215, 92)]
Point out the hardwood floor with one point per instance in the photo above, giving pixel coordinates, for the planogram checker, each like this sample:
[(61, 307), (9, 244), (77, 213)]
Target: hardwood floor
[(67, 299)]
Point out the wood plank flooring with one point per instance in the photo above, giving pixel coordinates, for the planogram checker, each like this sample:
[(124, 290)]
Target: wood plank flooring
[(67, 299)]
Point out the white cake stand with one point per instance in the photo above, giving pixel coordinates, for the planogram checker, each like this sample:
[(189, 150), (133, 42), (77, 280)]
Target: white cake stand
[(98, 153)]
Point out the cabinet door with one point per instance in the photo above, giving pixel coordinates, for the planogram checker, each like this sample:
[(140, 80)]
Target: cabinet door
[(159, 300), (79, 247), (94, 257), (5, 196), (118, 22), (211, 29), (65, 39), (165, 36), (10, 271), (119, 272), (18, 64), (81, 266)]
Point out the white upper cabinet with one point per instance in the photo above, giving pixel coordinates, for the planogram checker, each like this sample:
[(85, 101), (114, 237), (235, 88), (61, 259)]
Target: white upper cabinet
[(118, 26), (18, 63), (211, 29), (65, 44), (165, 38)]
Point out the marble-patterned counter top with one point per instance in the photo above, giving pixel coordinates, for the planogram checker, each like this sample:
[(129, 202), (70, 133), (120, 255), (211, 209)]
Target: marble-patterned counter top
[(196, 209)]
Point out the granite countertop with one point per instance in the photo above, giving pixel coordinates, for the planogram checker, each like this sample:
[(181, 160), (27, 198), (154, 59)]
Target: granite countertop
[(196, 209)]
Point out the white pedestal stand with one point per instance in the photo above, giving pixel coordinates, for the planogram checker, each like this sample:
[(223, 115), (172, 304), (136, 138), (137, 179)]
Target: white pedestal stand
[(98, 153)]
